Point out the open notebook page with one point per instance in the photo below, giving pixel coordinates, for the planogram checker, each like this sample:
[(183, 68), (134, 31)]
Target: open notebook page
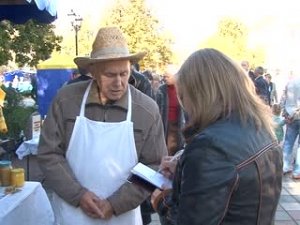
[(151, 176)]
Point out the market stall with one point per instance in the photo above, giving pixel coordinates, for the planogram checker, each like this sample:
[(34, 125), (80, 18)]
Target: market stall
[(52, 74)]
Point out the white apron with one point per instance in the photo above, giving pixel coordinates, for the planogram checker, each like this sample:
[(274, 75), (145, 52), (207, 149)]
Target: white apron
[(101, 155)]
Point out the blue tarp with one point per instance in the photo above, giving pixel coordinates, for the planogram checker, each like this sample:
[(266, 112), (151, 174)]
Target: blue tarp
[(19, 79), (21, 13), (44, 11), (9, 76), (49, 82)]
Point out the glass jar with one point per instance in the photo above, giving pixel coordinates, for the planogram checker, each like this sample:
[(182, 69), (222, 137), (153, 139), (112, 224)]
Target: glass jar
[(17, 177), (5, 168)]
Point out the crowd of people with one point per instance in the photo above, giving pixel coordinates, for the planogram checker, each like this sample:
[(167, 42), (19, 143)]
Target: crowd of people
[(286, 113), (230, 166)]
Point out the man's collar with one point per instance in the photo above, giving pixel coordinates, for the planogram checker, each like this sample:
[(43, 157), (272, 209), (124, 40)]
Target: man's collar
[(93, 97)]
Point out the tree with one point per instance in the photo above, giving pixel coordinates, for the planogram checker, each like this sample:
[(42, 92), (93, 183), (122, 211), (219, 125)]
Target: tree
[(232, 39), (142, 31), (85, 39), (16, 115), (27, 43)]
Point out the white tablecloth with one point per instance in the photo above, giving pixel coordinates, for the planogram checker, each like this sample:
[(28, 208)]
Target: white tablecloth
[(27, 148), (30, 206)]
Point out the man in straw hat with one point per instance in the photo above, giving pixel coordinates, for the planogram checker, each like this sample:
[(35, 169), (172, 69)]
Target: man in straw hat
[(95, 133)]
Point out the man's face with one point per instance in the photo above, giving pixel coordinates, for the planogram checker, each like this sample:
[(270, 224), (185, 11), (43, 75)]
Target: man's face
[(169, 78), (155, 84), (268, 78), (245, 66), (112, 78)]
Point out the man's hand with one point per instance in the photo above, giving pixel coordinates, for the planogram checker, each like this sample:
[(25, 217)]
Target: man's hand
[(105, 208), (88, 204), (158, 196)]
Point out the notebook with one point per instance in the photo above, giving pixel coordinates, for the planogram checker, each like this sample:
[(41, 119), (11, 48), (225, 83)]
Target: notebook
[(149, 178)]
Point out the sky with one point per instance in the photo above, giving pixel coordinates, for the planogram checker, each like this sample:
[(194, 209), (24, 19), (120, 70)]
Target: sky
[(274, 24)]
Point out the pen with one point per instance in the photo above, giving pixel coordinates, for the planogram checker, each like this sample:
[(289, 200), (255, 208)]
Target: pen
[(177, 155)]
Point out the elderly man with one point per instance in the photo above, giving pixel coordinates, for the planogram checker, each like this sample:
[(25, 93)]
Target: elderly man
[(94, 133)]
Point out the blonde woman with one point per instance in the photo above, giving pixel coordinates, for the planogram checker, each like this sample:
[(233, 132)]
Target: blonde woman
[(231, 169)]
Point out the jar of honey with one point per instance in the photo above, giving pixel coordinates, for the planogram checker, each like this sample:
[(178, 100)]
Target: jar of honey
[(17, 177), (5, 168)]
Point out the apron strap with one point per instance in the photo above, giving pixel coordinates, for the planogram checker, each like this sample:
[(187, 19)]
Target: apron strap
[(82, 108), (128, 117)]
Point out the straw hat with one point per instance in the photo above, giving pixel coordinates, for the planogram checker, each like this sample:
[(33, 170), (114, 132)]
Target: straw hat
[(110, 44)]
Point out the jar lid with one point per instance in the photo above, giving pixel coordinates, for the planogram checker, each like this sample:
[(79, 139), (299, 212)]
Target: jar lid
[(17, 170), (5, 163)]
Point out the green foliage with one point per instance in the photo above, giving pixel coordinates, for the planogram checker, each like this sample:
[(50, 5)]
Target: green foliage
[(27, 43), (142, 31), (15, 115), (232, 39)]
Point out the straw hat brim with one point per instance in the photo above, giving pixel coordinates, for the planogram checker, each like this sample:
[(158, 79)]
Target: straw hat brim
[(84, 62)]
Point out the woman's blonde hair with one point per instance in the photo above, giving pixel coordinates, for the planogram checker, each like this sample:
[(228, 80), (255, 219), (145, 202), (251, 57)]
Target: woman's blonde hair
[(216, 86)]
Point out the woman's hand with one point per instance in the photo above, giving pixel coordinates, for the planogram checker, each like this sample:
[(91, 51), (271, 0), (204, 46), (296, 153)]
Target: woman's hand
[(168, 164)]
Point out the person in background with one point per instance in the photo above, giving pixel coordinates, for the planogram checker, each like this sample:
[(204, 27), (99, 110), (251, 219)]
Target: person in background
[(139, 81), (291, 113), (148, 74), (33, 82), (261, 85), (279, 122), (155, 83), (171, 111), (79, 75), (246, 66), (273, 98), (95, 132), (230, 171)]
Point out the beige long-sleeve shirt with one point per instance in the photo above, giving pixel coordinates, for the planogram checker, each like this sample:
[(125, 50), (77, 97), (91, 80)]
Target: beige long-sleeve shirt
[(57, 130)]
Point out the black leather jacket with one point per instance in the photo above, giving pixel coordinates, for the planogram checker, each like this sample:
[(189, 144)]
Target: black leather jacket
[(228, 174)]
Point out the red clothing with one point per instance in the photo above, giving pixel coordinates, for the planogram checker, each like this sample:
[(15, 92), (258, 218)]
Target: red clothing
[(173, 104)]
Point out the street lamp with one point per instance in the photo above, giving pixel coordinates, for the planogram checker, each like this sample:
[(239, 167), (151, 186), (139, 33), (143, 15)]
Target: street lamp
[(76, 24)]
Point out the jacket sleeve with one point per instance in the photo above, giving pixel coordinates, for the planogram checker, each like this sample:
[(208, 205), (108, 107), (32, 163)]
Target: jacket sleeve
[(207, 182), (51, 158)]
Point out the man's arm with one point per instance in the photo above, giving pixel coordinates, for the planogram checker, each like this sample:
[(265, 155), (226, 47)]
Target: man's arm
[(51, 157)]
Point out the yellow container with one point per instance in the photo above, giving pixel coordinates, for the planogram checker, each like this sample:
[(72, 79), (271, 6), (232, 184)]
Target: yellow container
[(17, 177), (5, 169)]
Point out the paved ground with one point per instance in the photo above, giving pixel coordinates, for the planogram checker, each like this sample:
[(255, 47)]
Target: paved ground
[(288, 211)]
